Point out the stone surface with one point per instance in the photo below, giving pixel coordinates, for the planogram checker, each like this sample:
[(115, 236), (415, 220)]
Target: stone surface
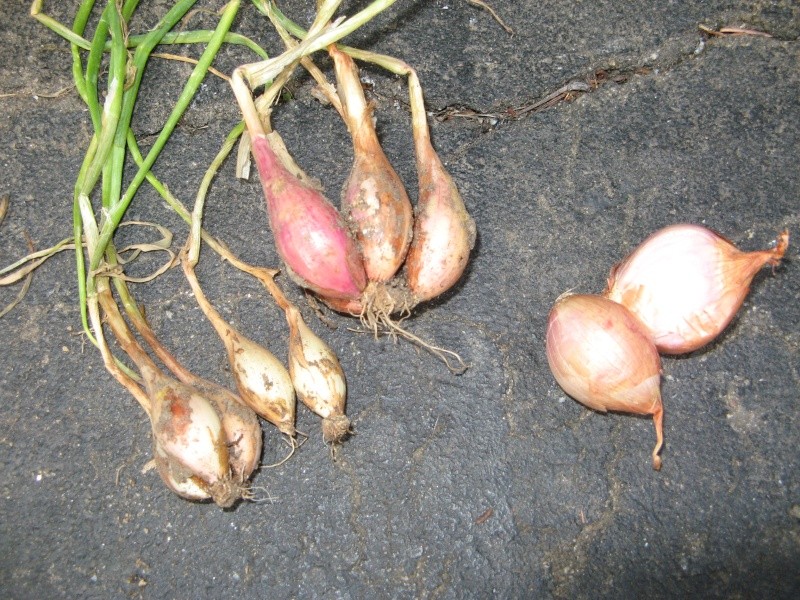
[(493, 483)]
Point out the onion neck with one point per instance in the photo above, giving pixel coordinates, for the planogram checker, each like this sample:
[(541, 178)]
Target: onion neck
[(419, 124)]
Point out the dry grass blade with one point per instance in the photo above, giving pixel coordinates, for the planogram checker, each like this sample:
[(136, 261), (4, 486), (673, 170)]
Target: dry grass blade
[(25, 286), (192, 61), (723, 31), (493, 12)]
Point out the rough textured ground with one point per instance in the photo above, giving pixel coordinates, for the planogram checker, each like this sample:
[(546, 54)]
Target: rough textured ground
[(675, 126)]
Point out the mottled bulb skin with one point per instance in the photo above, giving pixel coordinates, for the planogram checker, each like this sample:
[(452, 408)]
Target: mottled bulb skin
[(374, 200), (262, 381), (318, 377), (444, 233), (603, 357), (686, 283), (240, 425), (189, 443)]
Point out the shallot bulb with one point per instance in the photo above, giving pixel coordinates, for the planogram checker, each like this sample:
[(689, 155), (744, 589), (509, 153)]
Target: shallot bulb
[(444, 233), (189, 443), (317, 377), (310, 235), (191, 432), (686, 283), (241, 427), (261, 379), (603, 357), (374, 201)]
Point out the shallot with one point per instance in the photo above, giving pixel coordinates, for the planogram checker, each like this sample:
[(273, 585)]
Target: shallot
[(262, 381), (318, 377), (190, 443), (444, 232), (374, 201), (310, 235), (686, 283), (395, 257), (602, 356)]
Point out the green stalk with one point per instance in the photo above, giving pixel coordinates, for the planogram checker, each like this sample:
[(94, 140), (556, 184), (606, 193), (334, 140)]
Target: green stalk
[(201, 36), (99, 147), (197, 213), (116, 212), (390, 63), (78, 42), (78, 26), (49, 22), (113, 102), (173, 202), (93, 68)]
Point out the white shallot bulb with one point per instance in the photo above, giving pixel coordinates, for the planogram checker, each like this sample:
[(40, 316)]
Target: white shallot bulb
[(318, 377), (685, 283), (262, 381), (603, 357), (189, 443), (241, 427)]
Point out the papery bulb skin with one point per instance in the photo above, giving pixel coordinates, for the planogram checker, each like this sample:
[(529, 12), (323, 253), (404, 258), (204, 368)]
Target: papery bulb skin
[(374, 201), (686, 283), (603, 357), (242, 429), (262, 381), (189, 443), (354, 308), (444, 235), (310, 235), (318, 377), (178, 478), (377, 208)]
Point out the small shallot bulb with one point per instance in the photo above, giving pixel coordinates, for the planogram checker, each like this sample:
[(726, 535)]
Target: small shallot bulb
[(318, 377), (241, 427), (310, 235), (262, 381), (374, 201), (686, 283), (603, 357), (444, 233), (189, 443)]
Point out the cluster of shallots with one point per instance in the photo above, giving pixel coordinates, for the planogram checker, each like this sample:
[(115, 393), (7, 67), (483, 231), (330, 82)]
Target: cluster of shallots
[(674, 294), (206, 439), (376, 256), (264, 384)]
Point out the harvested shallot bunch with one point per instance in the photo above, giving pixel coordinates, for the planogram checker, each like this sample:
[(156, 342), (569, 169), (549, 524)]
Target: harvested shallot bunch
[(377, 259), (193, 428)]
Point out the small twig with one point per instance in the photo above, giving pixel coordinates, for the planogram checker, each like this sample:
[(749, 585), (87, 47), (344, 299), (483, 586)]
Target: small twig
[(565, 93), (491, 11), (722, 31)]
